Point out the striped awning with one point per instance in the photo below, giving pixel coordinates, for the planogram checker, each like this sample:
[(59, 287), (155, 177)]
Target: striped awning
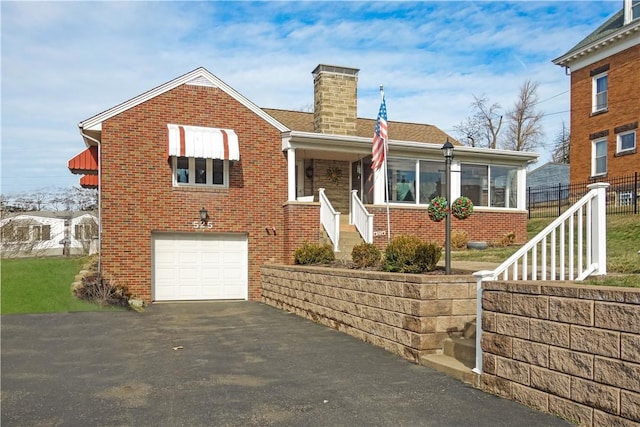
[(208, 143), (85, 163)]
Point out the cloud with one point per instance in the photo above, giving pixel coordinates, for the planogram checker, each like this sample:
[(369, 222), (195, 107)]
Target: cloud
[(63, 62)]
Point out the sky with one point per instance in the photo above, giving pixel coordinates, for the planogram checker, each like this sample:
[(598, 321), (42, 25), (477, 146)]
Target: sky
[(64, 62)]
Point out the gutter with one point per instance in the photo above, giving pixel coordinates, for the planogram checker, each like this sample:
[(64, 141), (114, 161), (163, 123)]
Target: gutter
[(87, 137)]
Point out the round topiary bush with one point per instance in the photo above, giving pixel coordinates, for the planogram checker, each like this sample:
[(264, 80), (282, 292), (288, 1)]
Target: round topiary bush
[(462, 207), (437, 209)]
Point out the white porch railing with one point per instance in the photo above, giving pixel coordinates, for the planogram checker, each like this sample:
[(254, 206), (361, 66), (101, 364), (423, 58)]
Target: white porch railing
[(555, 253), (361, 218), (330, 219)]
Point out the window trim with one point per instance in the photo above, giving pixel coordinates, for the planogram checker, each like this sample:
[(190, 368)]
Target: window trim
[(594, 95), (594, 143), (209, 166), (619, 142)]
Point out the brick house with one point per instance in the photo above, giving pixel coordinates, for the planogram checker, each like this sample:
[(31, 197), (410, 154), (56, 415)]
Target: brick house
[(605, 102), (261, 178)]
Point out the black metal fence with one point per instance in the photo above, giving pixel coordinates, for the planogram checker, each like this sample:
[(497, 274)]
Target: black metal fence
[(623, 196)]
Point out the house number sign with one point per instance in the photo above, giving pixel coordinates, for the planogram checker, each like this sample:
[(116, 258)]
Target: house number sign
[(200, 224)]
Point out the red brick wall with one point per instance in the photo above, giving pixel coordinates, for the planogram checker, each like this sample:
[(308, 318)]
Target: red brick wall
[(624, 108), (489, 226), (138, 197), (302, 222)]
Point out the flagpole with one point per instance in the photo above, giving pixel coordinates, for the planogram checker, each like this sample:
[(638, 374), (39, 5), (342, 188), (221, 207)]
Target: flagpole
[(386, 179)]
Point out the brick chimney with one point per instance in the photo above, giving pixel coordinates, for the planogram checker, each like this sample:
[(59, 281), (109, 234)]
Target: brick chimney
[(335, 99)]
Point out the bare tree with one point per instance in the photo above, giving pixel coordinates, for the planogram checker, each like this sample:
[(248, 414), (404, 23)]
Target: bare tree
[(524, 129), (482, 128), (560, 153)]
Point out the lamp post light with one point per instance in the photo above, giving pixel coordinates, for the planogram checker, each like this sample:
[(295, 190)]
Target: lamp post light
[(447, 150), (204, 215)]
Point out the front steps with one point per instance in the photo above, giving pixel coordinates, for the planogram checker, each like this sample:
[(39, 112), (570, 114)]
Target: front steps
[(457, 357), (349, 237)]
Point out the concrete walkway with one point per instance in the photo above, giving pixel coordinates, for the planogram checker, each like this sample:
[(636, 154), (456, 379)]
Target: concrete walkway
[(223, 364)]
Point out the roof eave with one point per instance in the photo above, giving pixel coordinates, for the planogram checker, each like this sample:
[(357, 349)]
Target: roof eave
[(95, 123), (615, 37), (297, 139)]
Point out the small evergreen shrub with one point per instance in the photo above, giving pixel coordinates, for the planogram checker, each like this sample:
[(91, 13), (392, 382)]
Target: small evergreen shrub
[(102, 291), (408, 254), (506, 240), (366, 255), (459, 239), (313, 253)]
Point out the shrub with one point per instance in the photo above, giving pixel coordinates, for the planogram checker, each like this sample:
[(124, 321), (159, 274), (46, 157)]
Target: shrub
[(506, 240), (313, 253), (103, 291), (459, 239), (366, 255), (408, 254)]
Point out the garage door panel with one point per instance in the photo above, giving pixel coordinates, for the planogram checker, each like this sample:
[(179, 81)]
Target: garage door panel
[(200, 266)]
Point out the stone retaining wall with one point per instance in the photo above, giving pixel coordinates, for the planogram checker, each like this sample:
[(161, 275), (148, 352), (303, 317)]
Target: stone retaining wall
[(407, 314), (566, 349)]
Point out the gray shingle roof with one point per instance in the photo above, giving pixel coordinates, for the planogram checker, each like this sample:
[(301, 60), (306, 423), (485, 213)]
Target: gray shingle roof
[(611, 25)]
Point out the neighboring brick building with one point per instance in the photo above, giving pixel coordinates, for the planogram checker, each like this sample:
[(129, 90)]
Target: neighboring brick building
[(605, 98), (195, 146)]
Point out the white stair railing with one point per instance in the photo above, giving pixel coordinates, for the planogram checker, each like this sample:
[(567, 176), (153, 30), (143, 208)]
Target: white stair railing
[(555, 253), (330, 219), (361, 218)]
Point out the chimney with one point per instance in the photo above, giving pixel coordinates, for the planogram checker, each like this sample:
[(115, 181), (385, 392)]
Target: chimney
[(628, 12), (335, 99)]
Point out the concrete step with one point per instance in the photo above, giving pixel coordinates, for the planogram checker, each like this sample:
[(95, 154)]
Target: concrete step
[(451, 367), (461, 349)]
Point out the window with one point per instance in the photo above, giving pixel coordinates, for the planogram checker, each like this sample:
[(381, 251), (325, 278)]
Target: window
[(474, 183), (626, 141), (198, 171), (432, 180), (504, 186), (600, 90), (401, 180), (22, 233), (625, 198), (599, 157), (86, 230), (41, 232)]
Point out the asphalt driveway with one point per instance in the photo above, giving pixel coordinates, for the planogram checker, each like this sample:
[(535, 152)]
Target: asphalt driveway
[(223, 364)]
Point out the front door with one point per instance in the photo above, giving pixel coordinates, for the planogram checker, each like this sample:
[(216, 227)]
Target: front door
[(362, 180)]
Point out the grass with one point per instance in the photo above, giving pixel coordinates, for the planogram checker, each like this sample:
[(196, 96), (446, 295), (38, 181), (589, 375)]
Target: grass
[(41, 285), (623, 244)]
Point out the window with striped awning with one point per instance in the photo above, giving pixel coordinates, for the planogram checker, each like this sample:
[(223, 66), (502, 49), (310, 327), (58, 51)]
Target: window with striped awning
[(203, 142)]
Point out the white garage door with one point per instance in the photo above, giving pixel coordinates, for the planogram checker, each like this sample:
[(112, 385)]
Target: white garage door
[(200, 266)]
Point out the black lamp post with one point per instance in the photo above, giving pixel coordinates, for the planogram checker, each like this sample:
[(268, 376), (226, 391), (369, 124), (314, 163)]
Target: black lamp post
[(447, 150)]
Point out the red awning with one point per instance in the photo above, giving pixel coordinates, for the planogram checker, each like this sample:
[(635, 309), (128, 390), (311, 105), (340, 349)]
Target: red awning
[(86, 162), (89, 181)]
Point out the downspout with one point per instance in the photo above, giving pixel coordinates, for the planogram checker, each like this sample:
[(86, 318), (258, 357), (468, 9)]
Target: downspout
[(84, 135)]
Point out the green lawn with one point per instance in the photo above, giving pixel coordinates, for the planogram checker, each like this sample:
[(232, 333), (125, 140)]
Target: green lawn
[(623, 244), (41, 285)]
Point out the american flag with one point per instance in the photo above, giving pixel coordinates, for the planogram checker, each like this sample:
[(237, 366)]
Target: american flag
[(379, 149)]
